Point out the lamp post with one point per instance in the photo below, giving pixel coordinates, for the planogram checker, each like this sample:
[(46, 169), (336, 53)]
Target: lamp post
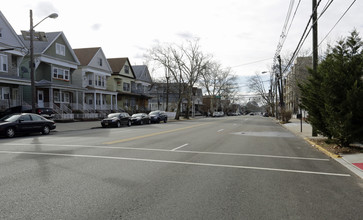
[(32, 77)]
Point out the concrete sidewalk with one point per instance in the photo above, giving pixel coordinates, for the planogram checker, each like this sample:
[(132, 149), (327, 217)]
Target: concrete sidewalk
[(353, 162)]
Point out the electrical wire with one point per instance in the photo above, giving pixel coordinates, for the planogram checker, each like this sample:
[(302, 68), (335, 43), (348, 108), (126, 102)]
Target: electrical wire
[(245, 64), (302, 39), (283, 36), (337, 22)]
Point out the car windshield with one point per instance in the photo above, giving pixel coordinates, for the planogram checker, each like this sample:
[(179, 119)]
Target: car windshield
[(10, 118), (113, 115), (153, 113), (136, 115)]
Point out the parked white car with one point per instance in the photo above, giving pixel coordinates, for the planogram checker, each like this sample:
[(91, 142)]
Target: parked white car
[(218, 114)]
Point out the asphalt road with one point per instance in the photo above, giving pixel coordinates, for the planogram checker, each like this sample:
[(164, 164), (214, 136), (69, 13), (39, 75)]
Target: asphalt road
[(245, 167)]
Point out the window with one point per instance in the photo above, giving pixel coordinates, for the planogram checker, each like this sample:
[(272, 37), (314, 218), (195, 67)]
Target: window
[(56, 97), (59, 73), (3, 63), (25, 118), (66, 75), (60, 49), (37, 118), (126, 86), (126, 69), (99, 80), (100, 62), (90, 80), (61, 97), (4, 93), (1, 32)]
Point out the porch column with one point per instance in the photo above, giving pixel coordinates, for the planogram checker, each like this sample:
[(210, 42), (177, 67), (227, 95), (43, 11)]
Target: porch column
[(77, 101), (83, 101), (94, 101), (111, 96), (101, 101), (116, 102), (51, 98)]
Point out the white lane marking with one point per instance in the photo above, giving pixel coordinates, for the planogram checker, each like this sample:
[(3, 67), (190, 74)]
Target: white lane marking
[(220, 130), (175, 162), (179, 151), (184, 145)]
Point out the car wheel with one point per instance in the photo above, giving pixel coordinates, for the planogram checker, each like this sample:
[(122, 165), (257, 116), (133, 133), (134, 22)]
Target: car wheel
[(10, 132), (158, 121), (103, 126), (129, 123), (149, 122), (46, 129), (141, 122), (118, 124), (165, 120)]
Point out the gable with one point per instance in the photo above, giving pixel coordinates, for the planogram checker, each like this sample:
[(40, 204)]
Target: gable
[(8, 37), (63, 46), (142, 73), (121, 67), (99, 61)]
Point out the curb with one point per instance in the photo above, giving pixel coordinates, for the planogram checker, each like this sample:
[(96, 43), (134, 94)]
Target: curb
[(351, 167), (320, 148)]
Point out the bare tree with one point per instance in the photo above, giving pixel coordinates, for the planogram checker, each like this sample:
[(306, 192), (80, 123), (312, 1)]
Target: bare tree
[(184, 63), (218, 81), (257, 85)]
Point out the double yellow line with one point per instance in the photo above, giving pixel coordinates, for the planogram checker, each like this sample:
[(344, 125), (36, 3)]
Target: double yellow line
[(155, 134)]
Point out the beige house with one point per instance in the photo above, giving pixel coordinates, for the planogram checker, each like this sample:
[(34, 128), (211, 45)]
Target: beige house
[(121, 79)]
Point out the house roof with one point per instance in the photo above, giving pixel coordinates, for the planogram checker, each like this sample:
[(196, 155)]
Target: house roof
[(14, 40), (41, 47), (142, 73), (85, 55), (116, 64)]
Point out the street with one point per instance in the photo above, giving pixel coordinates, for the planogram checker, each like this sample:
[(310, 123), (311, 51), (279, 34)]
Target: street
[(243, 167)]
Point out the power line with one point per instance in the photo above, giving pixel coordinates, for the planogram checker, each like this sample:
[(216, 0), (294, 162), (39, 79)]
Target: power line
[(245, 64), (302, 39), (337, 22), (283, 36)]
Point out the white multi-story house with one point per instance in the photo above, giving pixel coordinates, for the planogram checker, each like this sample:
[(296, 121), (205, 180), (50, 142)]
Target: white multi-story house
[(92, 75)]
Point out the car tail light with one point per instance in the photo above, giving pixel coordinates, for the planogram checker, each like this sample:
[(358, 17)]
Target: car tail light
[(39, 111)]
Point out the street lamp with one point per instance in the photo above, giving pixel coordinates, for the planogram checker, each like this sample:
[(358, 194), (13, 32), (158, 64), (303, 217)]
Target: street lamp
[(32, 77)]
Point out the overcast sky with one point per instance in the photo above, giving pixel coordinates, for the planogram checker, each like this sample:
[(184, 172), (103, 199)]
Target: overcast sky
[(236, 32)]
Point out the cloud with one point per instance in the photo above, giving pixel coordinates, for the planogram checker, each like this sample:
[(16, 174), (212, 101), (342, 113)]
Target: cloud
[(186, 35), (44, 9), (96, 27)]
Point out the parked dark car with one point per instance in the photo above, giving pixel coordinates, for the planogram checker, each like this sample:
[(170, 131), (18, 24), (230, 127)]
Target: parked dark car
[(13, 110), (158, 116), (140, 119), (116, 120), (17, 123), (45, 112)]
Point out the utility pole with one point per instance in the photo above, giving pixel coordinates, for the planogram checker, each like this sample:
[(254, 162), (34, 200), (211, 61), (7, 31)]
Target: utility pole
[(167, 90), (315, 47), (31, 63)]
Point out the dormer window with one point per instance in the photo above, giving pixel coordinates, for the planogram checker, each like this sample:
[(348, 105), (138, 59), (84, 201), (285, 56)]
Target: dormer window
[(126, 69), (100, 62), (60, 49)]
